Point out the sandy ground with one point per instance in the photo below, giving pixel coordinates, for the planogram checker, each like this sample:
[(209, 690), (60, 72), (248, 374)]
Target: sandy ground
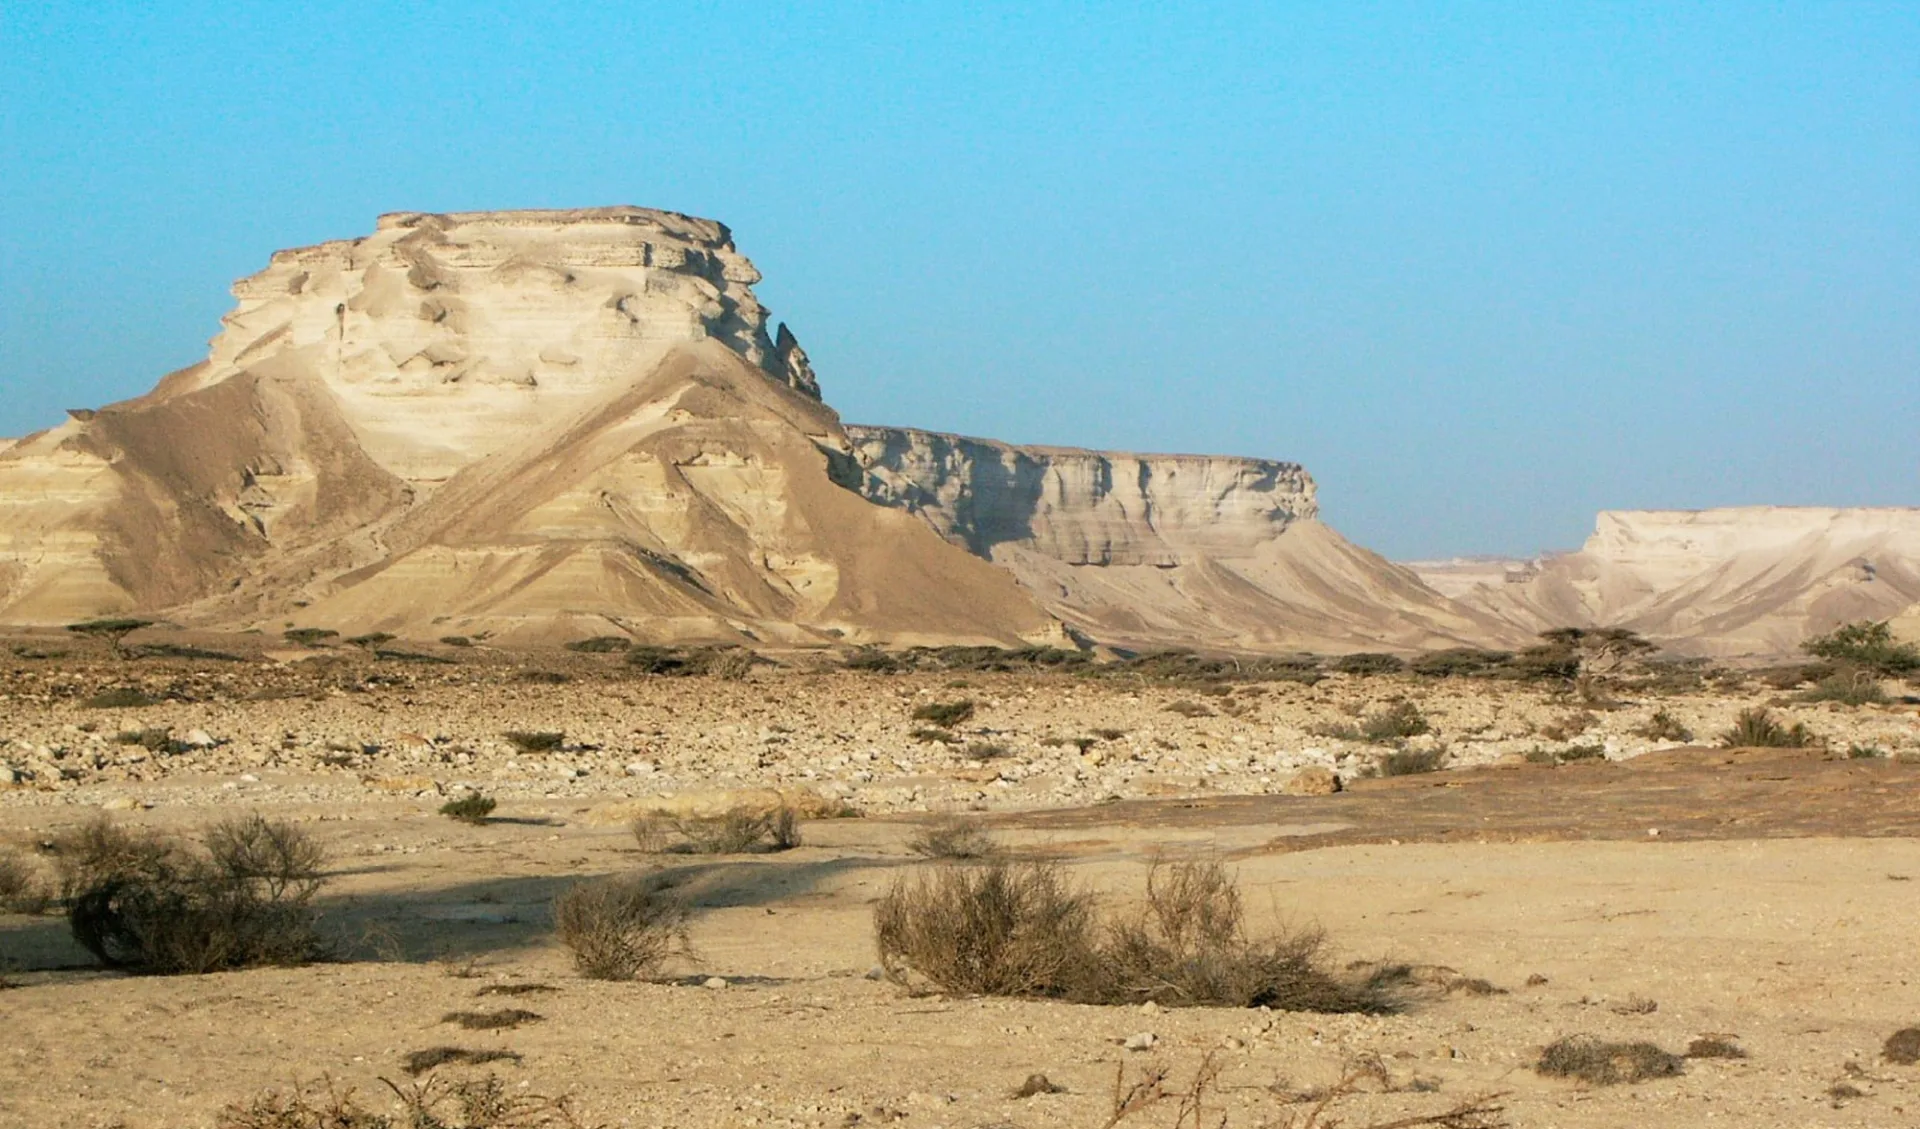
[(1769, 897)]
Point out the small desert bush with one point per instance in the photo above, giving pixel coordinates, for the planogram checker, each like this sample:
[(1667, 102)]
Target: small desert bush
[(1020, 929), (1459, 662), (1663, 726), (435, 1103), (986, 751), (601, 645), (1869, 646), (22, 890), (152, 739), (1366, 663), (309, 636), (620, 928), (930, 736), (953, 837), (1715, 1046), (1902, 1048), (1598, 1062), (739, 831), (1569, 727), (1865, 752), (1409, 762), (457, 640), (535, 741), (946, 714), (474, 808), (1757, 728), (240, 899), (1185, 708), (1397, 722), (1848, 687), (371, 640), (121, 698), (872, 660), (502, 1019)]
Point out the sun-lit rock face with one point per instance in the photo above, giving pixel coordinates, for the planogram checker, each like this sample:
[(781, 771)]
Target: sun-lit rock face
[(1736, 581), (530, 426), (442, 336)]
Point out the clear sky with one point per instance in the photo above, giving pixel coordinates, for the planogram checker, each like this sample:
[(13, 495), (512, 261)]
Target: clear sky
[(1483, 268)]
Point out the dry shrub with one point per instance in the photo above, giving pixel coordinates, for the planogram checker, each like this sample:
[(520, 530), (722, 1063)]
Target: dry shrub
[(121, 698), (421, 1061), (241, 900), (1715, 1046), (945, 714), (953, 837), (480, 1103), (1019, 929), (1185, 708), (1409, 762), (601, 645), (739, 831), (1598, 1062), (1663, 726), (1902, 1048), (1365, 663), (1757, 728), (929, 736), (503, 1019), (1003, 929), (1188, 946), (986, 751), (516, 990), (620, 928), (535, 741), (1569, 727)]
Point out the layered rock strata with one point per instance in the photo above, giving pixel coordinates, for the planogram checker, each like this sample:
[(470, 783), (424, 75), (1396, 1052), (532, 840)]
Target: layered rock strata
[(1161, 550)]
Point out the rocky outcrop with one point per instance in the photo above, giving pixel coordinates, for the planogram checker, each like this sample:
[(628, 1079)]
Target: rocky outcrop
[(533, 424), (1144, 550), (1751, 580)]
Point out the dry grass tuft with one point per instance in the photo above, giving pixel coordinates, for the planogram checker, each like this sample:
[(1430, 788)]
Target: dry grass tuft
[(479, 1103), (515, 989), (1410, 762), (21, 888), (535, 741), (1598, 1062), (620, 928), (1663, 726), (1757, 728), (474, 808)]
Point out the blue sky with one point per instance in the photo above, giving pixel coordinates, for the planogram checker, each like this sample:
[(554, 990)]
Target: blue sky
[(1483, 268)]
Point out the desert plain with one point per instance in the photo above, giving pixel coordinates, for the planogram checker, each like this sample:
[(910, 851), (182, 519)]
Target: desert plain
[(1544, 868)]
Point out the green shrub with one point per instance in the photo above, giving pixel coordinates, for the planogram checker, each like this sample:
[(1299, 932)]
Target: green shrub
[(1849, 687), (474, 808), (1397, 722), (945, 714), (601, 645), (1365, 663), (1869, 646), (620, 928), (1460, 662), (872, 660), (1757, 728)]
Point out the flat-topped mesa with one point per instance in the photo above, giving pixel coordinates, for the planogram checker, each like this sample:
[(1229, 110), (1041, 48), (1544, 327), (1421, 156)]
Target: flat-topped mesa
[(444, 336), (1079, 506)]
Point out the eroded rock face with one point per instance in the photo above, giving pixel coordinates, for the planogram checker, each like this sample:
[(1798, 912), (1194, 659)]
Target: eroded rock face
[(1143, 550), (1727, 582), (1082, 507)]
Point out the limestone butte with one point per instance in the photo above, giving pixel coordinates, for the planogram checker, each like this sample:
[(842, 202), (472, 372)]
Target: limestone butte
[(535, 424)]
